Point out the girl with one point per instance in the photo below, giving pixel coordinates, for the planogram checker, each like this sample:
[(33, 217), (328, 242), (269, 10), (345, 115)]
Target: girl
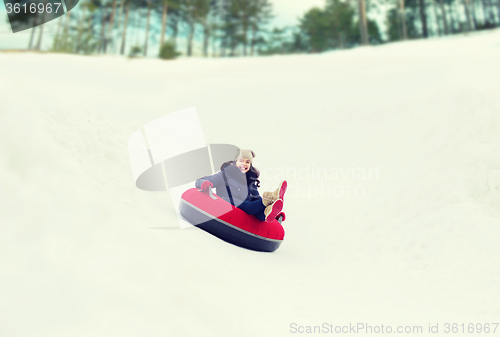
[(237, 183)]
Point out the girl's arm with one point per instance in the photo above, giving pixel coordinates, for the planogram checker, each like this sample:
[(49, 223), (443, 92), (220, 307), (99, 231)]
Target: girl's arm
[(216, 179)]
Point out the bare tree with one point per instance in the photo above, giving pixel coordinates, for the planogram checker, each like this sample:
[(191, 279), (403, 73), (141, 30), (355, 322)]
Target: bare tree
[(436, 18), (363, 26), (110, 24), (423, 18), (467, 15), (125, 25), (163, 21), (445, 20), (403, 18), (146, 38)]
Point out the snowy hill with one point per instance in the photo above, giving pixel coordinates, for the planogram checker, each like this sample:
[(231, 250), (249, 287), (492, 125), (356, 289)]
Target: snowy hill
[(392, 155)]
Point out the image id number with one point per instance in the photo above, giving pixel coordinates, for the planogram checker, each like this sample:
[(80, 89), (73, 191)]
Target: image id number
[(470, 328), (32, 8)]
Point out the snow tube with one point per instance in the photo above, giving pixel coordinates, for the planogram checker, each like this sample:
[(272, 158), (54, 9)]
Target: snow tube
[(218, 217)]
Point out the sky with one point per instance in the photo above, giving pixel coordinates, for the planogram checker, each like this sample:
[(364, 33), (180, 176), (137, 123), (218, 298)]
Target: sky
[(287, 11), (286, 14)]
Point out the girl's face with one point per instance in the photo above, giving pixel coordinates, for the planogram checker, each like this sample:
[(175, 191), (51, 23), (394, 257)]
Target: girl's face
[(243, 164)]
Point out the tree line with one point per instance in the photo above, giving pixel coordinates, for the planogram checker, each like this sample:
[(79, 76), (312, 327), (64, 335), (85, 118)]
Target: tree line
[(222, 28)]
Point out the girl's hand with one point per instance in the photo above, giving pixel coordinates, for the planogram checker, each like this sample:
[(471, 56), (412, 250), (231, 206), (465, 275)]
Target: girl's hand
[(206, 185)]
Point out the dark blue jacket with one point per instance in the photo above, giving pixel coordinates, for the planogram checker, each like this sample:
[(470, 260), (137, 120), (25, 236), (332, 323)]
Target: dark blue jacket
[(243, 186)]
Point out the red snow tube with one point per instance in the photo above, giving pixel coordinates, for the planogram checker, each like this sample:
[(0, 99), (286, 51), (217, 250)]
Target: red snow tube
[(218, 217)]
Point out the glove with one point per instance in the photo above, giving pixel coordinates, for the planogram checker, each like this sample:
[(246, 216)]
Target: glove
[(206, 185)]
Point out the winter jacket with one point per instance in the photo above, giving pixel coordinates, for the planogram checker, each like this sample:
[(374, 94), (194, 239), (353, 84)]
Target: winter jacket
[(243, 186)]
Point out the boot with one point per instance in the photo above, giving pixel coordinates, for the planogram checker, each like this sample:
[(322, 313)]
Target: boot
[(278, 194), (273, 210), (267, 199)]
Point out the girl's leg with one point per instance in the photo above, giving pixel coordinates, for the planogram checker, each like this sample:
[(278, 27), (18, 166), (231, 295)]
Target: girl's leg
[(278, 194), (260, 216), (252, 207), (255, 207)]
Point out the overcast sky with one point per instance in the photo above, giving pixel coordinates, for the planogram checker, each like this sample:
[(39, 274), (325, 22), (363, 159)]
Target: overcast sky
[(287, 11)]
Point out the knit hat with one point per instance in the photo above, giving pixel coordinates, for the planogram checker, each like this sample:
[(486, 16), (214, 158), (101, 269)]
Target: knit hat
[(247, 154)]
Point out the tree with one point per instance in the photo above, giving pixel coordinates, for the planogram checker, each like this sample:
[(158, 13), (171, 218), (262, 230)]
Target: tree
[(402, 15), (167, 51), (110, 25), (334, 28), (315, 25), (276, 43), (423, 18), (261, 15), (401, 23), (363, 27), (65, 42), (203, 18), (164, 13), (445, 20), (192, 12), (340, 16), (128, 4), (148, 16), (436, 19)]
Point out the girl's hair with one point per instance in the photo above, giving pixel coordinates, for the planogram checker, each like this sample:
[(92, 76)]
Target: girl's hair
[(252, 175)]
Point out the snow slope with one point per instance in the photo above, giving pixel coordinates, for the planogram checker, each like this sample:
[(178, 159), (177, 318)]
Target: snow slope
[(392, 155)]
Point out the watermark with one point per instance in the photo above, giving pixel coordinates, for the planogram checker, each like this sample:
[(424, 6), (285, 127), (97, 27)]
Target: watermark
[(311, 172), (322, 189), (431, 328), (311, 182), (26, 14), (170, 154)]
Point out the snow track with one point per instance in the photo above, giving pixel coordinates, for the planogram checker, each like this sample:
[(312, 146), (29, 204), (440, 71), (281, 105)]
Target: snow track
[(85, 253)]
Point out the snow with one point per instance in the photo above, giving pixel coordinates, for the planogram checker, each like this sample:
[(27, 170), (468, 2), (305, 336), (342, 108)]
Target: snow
[(392, 155)]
